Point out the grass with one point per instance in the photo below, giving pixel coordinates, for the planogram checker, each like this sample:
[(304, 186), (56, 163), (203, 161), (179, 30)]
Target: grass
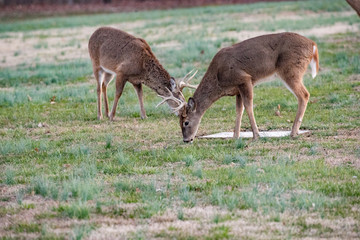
[(70, 173), (81, 231), (203, 13), (26, 228), (47, 74), (75, 210)]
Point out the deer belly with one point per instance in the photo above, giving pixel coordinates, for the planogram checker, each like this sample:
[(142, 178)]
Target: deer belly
[(269, 78)]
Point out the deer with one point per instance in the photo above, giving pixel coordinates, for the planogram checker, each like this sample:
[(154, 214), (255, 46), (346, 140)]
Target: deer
[(114, 52), (355, 4), (235, 70)]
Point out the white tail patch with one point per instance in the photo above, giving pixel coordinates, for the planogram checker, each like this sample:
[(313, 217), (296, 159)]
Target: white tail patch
[(313, 64), (101, 77), (287, 86), (108, 70)]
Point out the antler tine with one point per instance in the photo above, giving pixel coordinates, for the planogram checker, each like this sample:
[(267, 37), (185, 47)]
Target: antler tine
[(185, 82), (181, 105), (191, 76), (179, 81), (171, 97), (183, 79)]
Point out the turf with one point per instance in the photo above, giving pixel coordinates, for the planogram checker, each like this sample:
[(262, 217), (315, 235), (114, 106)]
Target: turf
[(64, 174)]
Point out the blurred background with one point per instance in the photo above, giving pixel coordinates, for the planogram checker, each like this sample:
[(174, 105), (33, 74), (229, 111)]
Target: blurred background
[(60, 7)]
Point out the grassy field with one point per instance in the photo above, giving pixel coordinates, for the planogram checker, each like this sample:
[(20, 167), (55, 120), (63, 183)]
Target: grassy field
[(66, 175)]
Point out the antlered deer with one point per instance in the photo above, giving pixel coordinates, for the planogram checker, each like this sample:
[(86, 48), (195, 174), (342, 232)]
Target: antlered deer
[(115, 52), (237, 69)]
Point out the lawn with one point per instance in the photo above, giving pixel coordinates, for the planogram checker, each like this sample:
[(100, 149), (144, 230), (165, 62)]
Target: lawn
[(66, 175)]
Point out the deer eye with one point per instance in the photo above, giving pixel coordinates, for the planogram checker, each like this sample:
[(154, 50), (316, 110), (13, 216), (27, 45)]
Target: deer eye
[(186, 123)]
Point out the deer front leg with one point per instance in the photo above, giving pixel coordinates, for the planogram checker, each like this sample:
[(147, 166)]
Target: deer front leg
[(138, 89), (239, 113), (120, 83), (246, 92)]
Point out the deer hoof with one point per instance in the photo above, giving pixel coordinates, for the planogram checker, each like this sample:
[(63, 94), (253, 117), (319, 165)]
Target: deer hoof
[(256, 136), (293, 135)]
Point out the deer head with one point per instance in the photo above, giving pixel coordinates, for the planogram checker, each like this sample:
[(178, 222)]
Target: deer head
[(189, 120)]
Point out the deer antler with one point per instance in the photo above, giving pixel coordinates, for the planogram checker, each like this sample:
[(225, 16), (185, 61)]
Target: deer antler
[(185, 82), (171, 97)]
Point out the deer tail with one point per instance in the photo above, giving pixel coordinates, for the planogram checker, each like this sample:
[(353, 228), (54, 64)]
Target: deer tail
[(314, 63)]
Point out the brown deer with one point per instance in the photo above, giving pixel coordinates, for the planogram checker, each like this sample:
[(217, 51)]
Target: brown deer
[(235, 70), (355, 4), (115, 52)]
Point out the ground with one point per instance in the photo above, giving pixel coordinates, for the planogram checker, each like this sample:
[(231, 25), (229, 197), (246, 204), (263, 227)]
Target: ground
[(65, 175)]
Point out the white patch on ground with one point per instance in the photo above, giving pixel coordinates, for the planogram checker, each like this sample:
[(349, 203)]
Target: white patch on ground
[(169, 44), (274, 134)]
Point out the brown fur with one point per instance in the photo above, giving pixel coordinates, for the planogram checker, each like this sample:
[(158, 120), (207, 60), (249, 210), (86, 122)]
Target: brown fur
[(132, 60), (235, 70), (355, 4)]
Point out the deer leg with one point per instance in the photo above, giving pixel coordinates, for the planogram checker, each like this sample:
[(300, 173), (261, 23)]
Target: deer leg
[(99, 73), (107, 79), (120, 83), (239, 113), (302, 95), (138, 89), (246, 92)]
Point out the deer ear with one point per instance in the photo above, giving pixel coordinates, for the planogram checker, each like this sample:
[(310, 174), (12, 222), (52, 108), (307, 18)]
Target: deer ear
[(191, 105), (172, 84)]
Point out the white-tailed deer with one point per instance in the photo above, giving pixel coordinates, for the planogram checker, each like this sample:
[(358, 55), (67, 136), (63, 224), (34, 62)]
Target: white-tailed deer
[(237, 69), (115, 52), (355, 4)]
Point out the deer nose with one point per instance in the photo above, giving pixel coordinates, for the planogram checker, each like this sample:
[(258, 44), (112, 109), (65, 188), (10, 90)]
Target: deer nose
[(188, 141)]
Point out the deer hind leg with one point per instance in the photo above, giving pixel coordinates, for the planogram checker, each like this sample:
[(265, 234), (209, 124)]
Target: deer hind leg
[(298, 89), (138, 89), (239, 113), (246, 92), (120, 83), (107, 79)]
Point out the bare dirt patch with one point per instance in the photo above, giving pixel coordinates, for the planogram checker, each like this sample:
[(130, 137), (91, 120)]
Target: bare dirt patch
[(58, 45), (316, 31)]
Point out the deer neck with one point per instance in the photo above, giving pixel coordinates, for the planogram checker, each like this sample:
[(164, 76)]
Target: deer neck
[(207, 93), (157, 78)]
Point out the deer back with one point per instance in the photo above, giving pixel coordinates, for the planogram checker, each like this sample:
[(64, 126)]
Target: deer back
[(107, 42), (262, 56)]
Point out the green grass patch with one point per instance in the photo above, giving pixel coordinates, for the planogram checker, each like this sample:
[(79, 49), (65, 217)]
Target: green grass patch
[(46, 74), (140, 171), (25, 227), (75, 210)]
